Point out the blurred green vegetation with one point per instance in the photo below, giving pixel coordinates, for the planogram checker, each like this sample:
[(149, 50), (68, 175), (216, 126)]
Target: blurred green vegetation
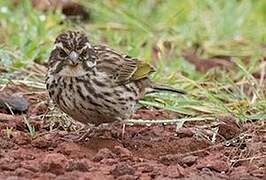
[(148, 28)]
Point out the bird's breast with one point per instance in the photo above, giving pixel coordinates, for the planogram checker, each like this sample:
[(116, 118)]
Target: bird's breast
[(93, 98)]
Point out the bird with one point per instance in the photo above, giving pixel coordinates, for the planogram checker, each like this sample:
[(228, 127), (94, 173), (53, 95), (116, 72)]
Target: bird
[(95, 84)]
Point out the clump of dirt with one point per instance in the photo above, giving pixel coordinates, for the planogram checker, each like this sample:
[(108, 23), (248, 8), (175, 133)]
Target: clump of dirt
[(194, 151)]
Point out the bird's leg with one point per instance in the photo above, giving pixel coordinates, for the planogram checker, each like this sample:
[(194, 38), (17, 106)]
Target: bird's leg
[(123, 130)]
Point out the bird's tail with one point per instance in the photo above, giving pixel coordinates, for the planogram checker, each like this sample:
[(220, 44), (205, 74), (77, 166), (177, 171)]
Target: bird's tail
[(157, 87)]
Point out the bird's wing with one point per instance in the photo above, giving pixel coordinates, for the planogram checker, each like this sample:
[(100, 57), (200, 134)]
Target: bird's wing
[(121, 68)]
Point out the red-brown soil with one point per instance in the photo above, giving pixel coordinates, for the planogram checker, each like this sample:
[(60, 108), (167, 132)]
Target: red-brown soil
[(195, 151)]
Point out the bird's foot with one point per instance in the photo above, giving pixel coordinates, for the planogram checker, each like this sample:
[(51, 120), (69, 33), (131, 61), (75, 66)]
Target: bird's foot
[(89, 131), (80, 134), (93, 131), (83, 136)]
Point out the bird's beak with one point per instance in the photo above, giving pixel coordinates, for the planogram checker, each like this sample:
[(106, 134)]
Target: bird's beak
[(73, 57)]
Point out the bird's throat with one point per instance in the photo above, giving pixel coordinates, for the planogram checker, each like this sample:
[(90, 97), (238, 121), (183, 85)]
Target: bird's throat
[(70, 70)]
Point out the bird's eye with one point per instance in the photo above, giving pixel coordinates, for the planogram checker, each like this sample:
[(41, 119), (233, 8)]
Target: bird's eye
[(63, 53)]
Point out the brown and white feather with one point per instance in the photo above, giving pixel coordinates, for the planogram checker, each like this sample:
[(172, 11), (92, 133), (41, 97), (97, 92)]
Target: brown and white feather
[(92, 94)]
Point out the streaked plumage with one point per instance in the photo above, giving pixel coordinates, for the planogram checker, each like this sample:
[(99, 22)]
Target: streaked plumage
[(93, 83)]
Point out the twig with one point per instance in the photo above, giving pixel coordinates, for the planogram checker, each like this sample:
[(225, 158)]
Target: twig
[(166, 121), (3, 87), (10, 109), (262, 74), (30, 83), (7, 117), (250, 158), (199, 150)]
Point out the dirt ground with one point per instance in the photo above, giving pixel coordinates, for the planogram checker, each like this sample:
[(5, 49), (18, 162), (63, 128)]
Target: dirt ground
[(199, 150)]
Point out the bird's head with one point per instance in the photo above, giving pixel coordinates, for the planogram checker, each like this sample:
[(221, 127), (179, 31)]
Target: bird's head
[(72, 52)]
